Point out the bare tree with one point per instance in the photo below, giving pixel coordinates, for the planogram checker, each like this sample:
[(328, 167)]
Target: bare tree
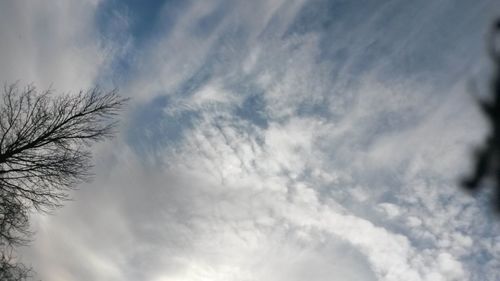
[(14, 224), (10, 270), (44, 152)]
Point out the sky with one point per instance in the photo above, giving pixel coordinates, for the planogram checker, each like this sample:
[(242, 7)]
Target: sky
[(267, 140)]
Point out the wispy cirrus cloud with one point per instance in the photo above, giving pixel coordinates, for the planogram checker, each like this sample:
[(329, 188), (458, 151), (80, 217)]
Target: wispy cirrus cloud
[(55, 44), (280, 140)]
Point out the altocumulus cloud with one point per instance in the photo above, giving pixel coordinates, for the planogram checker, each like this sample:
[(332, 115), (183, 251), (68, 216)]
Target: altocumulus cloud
[(266, 140)]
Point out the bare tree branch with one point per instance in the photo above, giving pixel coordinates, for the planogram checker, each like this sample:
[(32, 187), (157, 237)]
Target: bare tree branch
[(44, 152), (45, 139)]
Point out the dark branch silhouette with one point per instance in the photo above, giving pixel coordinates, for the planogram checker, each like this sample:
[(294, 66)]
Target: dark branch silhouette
[(44, 152), (44, 140), (11, 270), (488, 155), (14, 224)]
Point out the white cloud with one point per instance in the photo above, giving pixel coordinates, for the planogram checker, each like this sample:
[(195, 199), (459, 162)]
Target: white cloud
[(352, 176), (51, 45)]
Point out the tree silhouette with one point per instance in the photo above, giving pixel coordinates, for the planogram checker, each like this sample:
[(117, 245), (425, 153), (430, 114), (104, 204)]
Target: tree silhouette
[(44, 152), (10, 270), (14, 231), (488, 155)]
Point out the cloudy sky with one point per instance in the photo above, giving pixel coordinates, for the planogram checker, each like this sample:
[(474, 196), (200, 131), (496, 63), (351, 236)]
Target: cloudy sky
[(267, 140)]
